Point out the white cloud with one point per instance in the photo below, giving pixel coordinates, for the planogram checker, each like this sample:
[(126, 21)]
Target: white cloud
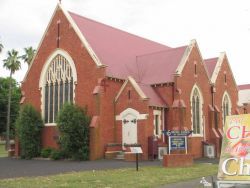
[(217, 25)]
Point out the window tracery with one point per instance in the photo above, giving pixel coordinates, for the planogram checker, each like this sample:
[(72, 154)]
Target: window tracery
[(58, 88)]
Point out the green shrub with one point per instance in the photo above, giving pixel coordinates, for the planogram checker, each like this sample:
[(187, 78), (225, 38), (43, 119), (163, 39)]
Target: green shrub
[(73, 124), (46, 152), (57, 154), (28, 126)]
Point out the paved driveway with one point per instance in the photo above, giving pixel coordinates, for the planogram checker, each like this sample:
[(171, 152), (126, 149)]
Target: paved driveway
[(13, 168)]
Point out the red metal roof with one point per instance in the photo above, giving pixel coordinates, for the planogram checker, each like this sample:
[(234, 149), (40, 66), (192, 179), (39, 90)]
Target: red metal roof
[(158, 67), (243, 87), (210, 64), (154, 98), (126, 54)]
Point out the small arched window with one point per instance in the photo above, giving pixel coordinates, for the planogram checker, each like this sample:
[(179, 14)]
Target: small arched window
[(196, 111), (58, 87), (226, 107)]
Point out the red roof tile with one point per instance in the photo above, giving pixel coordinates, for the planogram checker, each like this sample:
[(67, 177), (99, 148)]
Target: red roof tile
[(154, 98), (243, 87), (210, 64), (124, 53), (158, 67)]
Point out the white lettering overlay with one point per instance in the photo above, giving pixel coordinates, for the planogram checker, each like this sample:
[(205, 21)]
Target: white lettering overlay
[(244, 168)]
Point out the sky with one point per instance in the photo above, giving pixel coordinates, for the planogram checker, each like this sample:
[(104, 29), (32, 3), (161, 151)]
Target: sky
[(217, 25)]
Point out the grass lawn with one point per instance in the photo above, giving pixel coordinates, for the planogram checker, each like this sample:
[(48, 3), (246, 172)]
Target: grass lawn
[(3, 153), (128, 177)]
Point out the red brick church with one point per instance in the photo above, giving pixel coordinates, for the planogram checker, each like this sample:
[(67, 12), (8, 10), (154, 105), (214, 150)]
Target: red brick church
[(133, 88)]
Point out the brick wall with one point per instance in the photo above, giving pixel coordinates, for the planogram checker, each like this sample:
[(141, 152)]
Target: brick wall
[(221, 87), (144, 127), (185, 82), (87, 71)]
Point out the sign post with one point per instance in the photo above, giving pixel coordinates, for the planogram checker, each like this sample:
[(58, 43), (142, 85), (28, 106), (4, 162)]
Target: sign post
[(136, 151), (234, 166), (136, 161)]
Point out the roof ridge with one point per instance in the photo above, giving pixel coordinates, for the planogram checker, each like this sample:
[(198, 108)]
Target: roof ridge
[(243, 84), (162, 51), (244, 87), (209, 59), (89, 19)]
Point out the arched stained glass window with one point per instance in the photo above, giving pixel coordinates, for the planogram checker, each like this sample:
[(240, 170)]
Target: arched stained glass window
[(58, 87), (226, 107), (196, 111)]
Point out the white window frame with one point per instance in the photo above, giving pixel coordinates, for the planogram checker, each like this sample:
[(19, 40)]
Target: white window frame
[(43, 81), (195, 87), (229, 106), (157, 113)]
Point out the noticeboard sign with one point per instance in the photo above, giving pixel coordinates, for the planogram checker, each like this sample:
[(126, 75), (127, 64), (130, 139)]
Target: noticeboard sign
[(178, 143), (235, 153), (135, 149)]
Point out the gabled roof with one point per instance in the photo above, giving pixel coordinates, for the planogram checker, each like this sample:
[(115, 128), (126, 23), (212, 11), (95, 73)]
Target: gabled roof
[(218, 66), (126, 54), (157, 67), (210, 64), (136, 87), (115, 48), (146, 92), (154, 98), (193, 44)]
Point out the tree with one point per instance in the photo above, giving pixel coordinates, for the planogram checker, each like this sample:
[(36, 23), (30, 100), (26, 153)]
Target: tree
[(13, 64), (29, 126), (73, 124), (29, 54), (15, 105)]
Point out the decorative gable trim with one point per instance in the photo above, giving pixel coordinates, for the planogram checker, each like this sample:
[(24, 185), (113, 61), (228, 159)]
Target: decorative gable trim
[(78, 32), (186, 55), (40, 43), (82, 38), (218, 66), (136, 87)]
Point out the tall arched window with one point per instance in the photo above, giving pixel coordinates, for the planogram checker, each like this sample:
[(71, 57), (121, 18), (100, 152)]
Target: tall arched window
[(196, 108), (57, 86), (226, 106)]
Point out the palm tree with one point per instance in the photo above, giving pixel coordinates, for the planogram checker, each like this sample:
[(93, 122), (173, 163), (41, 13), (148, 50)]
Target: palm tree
[(13, 64), (29, 54)]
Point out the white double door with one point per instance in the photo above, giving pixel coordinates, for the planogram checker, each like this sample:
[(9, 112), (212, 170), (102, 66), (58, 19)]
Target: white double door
[(129, 129)]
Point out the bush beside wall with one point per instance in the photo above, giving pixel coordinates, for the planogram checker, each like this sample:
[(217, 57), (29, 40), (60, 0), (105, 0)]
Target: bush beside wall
[(29, 126), (73, 124)]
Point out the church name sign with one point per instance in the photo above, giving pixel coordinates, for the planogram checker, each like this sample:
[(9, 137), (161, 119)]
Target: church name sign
[(177, 132), (177, 139), (235, 153)]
